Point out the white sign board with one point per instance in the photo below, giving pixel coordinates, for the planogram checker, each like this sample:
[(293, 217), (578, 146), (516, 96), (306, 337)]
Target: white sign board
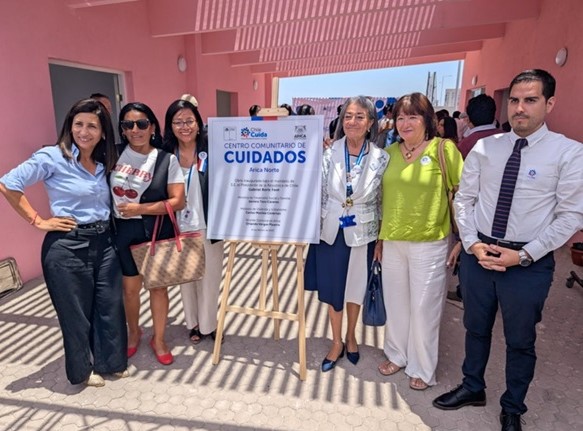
[(265, 178)]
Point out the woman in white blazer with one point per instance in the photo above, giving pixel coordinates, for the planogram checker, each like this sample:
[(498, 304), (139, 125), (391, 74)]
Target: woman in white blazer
[(337, 267)]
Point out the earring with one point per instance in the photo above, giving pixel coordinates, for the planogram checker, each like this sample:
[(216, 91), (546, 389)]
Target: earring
[(152, 137)]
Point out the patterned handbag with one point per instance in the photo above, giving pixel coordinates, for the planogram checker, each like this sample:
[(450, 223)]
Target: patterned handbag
[(170, 261)]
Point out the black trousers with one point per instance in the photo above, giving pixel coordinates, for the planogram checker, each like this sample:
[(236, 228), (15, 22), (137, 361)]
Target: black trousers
[(520, 293), (83, 277)]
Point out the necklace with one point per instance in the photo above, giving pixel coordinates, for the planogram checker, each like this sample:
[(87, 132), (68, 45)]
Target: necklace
[(409, 151)]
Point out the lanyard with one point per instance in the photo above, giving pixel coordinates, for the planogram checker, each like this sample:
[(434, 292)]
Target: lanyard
[(189, 171), (356, 164)]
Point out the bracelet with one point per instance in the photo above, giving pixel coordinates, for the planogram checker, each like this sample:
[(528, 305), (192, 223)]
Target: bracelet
[(34, 218)]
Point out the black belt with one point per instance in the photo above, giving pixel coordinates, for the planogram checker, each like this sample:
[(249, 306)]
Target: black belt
[(501, 242), (100, 226)]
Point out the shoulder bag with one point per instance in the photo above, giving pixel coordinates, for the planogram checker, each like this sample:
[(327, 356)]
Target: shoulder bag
[(170, 261)]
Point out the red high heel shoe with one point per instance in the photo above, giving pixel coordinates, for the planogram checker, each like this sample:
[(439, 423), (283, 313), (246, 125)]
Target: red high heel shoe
[(164, 358)]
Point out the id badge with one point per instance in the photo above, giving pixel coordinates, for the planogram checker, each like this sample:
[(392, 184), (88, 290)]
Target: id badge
[(347, 221)]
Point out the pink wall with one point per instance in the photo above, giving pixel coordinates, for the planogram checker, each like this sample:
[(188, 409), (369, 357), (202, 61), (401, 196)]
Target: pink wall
[(118, 37), (533, 44), (114, 37), (213, 72)]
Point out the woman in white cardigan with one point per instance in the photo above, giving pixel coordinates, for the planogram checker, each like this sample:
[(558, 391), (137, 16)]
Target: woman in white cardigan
[(351, 189)]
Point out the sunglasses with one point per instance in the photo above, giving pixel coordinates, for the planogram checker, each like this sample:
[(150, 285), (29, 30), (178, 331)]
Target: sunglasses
[(129, 124)]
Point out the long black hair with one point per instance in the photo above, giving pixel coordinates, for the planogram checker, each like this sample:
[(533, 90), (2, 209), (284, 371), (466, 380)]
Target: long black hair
[(170, 140), (104, 152), (450, 129), (145, 109)]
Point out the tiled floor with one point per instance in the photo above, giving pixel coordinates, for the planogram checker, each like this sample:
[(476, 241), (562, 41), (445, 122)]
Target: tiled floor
[(256, 384)]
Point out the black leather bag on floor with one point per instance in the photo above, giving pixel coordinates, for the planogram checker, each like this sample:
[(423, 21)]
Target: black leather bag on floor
[(373, 311)]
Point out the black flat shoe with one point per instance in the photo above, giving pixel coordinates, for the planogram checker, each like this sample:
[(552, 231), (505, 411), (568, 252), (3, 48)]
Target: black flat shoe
[(458, 398), (329, 364), (510, 421), (195, 335), (195, 332), (353, 357), (213, 335)]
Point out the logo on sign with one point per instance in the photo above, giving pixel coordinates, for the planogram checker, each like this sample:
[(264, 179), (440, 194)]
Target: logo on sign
[(300, 132), (252, 133), (230, 133)]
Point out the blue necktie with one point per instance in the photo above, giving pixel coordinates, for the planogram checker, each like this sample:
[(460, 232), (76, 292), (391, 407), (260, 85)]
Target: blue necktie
[(507, 190)]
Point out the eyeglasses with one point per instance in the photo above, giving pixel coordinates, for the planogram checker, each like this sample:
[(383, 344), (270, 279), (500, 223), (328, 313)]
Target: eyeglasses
[(357, 118), (180, 124), (129, 124)]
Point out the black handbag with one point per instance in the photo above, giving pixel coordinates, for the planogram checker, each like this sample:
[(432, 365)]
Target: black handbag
[(373, 313)]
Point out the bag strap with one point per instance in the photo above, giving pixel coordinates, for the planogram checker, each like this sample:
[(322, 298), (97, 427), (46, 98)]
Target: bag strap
[(172, 216), (158, 222), (154, 234), (375, 269), (443, 164)]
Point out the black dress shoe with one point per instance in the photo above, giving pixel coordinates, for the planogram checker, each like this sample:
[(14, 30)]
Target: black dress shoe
[(510, 421), (353, 356), (458, 398), (329, 364)]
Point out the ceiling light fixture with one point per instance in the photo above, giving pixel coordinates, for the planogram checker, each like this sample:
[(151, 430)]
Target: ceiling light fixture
[(182, 65), (561, 57)]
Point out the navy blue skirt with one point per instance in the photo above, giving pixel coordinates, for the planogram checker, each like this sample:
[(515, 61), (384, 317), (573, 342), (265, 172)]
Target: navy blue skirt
[(327, 267)]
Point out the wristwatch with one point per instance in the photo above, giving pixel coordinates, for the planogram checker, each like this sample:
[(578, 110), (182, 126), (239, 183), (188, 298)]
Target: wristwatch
[(523, 258)]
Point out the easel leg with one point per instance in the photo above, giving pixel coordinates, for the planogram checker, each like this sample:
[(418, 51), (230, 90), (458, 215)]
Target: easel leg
[(224, 302), (301, 311), (263, 288), (275, 281)]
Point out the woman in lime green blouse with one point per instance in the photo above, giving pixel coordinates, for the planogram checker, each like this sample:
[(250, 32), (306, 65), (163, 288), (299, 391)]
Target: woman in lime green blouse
[(413, 241)]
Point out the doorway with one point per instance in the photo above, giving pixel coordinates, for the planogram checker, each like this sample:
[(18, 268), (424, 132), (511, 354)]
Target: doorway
[(501, 98), (71, 83), (227, 104)]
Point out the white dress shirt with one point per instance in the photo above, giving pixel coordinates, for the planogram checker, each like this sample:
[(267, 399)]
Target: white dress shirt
[(547, 208)]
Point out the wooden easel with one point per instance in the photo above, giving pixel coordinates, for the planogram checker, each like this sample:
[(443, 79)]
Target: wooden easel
[(268, 252)]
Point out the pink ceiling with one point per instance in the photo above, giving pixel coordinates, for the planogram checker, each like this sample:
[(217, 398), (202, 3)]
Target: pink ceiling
[(303, 37)]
